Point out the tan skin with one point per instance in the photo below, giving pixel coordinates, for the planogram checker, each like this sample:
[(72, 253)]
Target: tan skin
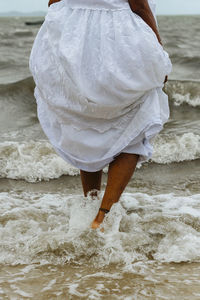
[(53, 1), (123, 166)]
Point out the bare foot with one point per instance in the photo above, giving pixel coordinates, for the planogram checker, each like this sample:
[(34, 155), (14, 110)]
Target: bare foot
[(98, 220), (93, 194), (95, 225)]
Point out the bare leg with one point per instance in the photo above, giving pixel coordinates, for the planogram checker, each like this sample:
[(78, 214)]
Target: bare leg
[(119, 173), (91, 181)]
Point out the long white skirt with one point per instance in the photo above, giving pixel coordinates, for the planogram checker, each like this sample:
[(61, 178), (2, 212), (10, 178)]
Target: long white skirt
[(99, 71)]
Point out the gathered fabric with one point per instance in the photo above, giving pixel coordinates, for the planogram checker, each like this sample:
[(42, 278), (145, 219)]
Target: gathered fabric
[(99, 71)]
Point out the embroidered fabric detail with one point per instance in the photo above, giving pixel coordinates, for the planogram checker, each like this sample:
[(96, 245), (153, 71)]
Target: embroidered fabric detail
[(99, 73)]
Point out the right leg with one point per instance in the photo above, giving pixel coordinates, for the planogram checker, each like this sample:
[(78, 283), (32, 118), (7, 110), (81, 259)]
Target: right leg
[(91, 181), (119, 173)]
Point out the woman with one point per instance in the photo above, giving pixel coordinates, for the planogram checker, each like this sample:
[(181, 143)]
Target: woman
[(99, 68)]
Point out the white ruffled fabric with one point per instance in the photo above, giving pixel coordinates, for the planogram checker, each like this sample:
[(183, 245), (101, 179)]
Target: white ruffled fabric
[(99, 72)]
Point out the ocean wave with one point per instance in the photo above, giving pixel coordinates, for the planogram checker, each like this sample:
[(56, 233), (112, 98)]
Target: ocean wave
[(181, 92), (185, 59), (55, 229), (18, 86), (18, 108), (23, 33), (171, 148), (32, 161), (36, 160), (181, 99)]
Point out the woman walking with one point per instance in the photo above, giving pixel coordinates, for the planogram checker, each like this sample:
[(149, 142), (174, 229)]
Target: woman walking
[(99, 68)]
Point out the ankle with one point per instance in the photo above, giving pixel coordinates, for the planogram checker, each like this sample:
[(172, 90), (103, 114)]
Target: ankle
[(107, 204), (100, 216), (104, 210)]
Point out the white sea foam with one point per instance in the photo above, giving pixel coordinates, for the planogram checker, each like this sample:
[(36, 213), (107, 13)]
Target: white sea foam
[(32, 161), (55, 228), (186, 98), (176, 148), (184, 92), (36, 160)]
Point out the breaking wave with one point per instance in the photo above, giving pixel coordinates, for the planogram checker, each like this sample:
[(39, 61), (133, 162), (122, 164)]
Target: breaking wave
[(36, 160), (55, 229)]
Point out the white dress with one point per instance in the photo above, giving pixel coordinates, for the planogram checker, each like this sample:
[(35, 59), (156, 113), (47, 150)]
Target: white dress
[(99, 72)]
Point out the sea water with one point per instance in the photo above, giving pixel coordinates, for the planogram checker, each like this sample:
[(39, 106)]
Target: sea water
[(151, 240)]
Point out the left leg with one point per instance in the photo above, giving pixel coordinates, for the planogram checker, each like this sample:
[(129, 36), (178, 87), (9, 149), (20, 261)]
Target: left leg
[(120, 172), (91, 181)]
